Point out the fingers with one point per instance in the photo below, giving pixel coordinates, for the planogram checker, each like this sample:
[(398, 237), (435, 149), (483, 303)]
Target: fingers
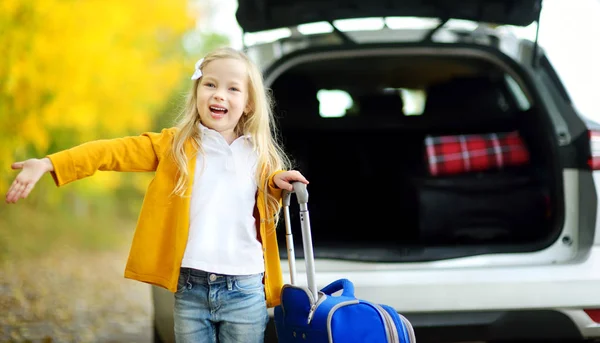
[(297, 176), (14, 189), (17, 165), (18, 190), (15, 192), (289, 186), (11, 191), (290, 177), (285, 179), (27, 190)]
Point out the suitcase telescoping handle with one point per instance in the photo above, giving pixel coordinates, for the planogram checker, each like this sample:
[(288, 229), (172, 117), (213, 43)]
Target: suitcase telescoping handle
[(309, 259)]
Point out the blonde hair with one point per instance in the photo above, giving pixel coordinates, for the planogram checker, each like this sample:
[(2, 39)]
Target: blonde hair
[(258, 123)]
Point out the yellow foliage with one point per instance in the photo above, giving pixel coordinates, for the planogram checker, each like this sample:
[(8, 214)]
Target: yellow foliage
[(73, 71)]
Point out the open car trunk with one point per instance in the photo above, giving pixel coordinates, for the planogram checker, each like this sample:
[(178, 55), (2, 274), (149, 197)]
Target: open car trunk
[(360, 124)]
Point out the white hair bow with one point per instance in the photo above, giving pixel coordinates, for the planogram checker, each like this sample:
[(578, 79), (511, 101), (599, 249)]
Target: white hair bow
[(197, 71)]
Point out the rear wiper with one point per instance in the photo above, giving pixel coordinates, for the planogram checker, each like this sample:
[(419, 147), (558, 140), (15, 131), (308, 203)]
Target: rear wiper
[(345, 38), (428, 38)]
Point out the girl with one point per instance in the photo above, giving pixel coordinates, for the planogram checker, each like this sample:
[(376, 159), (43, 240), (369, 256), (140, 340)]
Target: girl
[(198, 233)]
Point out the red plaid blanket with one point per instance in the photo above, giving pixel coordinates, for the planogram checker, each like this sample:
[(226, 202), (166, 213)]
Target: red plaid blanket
[(476, 152)]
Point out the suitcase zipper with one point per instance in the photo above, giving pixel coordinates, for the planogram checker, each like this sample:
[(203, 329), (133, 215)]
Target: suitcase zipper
[(308, 294), (409, 327), (313, 308), (390, 327)]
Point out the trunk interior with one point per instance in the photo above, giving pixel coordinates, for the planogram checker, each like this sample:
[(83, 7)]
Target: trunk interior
[(373, 196)]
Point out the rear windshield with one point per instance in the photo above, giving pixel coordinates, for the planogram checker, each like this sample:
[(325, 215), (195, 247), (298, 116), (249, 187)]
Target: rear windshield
[(394, 87)]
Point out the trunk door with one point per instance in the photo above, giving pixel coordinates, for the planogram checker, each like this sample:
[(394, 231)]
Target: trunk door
[(260, 15)]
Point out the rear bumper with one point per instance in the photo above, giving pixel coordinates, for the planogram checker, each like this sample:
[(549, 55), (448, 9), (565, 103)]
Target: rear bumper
[(482, 302), (542, 325)]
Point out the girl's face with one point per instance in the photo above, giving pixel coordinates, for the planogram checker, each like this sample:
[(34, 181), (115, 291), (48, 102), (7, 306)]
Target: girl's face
[(222, 95)]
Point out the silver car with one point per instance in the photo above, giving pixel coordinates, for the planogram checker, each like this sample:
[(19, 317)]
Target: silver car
[(498, 246)]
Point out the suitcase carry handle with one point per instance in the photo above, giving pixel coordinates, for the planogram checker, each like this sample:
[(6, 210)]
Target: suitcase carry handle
[(309, 259), (345, 285)]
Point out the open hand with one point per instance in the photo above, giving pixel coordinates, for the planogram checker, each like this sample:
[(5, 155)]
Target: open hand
[(284, 179), (31, 172)]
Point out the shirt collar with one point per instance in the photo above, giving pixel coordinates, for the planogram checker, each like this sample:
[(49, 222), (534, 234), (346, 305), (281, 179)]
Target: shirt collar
[(205, 129)]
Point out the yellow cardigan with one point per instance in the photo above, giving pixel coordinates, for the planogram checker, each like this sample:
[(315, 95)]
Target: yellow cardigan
[(162, 229)]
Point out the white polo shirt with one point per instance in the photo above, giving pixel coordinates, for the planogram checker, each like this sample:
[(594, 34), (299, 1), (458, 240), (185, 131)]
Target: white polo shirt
[(222, 236)]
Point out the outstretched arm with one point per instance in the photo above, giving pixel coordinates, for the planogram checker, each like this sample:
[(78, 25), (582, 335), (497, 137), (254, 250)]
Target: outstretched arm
[(129, 154), (138, 153)]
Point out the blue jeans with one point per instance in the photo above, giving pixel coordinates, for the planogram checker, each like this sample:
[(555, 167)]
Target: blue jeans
[(219, 308)]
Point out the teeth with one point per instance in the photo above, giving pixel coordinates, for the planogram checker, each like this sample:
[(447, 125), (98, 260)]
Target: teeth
[(217, 108)]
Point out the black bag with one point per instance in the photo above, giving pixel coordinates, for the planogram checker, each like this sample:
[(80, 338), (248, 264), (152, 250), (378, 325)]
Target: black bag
[(479, 208)]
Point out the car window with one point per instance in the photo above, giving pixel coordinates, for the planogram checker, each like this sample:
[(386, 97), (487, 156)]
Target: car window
[(337, 103), (517, 93), (414, 101), (393, 88), (334, 103)]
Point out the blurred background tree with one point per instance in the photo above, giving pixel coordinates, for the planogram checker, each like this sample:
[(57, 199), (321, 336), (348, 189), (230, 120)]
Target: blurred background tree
[(74, 71)]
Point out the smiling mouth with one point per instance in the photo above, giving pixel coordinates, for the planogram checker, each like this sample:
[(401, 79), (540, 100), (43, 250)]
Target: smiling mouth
[(218, 111)]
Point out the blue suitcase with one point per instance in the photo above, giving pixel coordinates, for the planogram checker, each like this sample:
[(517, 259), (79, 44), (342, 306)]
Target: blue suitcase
[(308, 315)]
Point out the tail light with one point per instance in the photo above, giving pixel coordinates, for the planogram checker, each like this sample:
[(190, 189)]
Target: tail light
[(594, 314), (594, 158)]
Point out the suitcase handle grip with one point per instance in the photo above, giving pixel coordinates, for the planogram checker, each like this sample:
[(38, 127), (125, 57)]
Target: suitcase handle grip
[(345, 285), (309, 258), (301, 194)]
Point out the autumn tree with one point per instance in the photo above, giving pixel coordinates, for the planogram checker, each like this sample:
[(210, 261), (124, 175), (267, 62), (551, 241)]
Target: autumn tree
[(73, 71)]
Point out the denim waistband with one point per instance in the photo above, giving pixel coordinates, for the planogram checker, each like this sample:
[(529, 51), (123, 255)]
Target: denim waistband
[(212, 277)]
